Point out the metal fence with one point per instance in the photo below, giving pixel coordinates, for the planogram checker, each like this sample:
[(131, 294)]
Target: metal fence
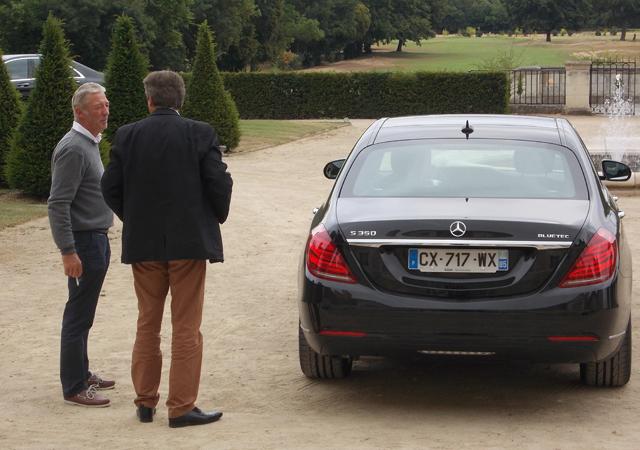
[(613, 87), (538, 86)]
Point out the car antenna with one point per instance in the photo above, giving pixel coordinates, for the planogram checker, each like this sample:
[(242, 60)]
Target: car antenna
[(467, 130)]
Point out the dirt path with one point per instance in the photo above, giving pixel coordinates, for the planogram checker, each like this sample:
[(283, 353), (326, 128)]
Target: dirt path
[(250, 365)]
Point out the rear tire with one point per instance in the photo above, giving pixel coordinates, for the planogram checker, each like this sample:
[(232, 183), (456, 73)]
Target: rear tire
[(315, 365), (613, 371)]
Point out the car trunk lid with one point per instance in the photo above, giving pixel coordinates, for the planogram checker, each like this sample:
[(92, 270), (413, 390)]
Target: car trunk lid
[(416, 245)]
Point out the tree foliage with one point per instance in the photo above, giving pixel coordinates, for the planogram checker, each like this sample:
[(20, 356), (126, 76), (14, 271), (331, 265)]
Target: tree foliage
[(48, 116), (10, 109), (232, 22), (207, 100), (401, 20), (622, 14), (171, 20), (126, 68), (251, 33), (549, 15)]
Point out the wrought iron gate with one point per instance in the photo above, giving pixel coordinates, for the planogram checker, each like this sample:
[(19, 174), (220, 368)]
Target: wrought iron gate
[(613, 87)]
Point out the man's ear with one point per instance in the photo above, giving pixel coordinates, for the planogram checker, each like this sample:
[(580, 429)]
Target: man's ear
[(150, 106)]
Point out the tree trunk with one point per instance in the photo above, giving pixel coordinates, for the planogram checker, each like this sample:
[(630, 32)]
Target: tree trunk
[(623, 34), (400, 44), (548, 36)]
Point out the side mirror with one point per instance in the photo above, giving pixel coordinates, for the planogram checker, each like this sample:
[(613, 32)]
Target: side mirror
[(615, 171), (332, 169)]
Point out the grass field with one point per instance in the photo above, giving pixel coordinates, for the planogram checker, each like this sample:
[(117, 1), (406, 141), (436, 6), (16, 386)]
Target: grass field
[(16, 208), (457, 53), (257, 134)]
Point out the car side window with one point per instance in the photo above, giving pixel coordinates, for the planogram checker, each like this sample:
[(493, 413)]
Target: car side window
[(18, 69)]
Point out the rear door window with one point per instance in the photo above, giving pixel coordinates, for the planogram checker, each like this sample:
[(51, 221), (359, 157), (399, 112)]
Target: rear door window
[(18, 69), (466, 168)]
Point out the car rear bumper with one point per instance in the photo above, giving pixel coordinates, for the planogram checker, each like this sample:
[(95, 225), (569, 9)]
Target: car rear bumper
[(541, 327)]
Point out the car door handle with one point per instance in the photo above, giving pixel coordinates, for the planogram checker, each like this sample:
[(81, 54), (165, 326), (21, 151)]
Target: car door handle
[(615, 198), (621, 214)]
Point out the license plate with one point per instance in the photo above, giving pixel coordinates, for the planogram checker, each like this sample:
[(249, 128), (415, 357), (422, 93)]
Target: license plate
[(477, 260)]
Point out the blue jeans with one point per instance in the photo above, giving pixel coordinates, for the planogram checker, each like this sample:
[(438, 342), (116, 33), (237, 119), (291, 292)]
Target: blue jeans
[(94, 252)]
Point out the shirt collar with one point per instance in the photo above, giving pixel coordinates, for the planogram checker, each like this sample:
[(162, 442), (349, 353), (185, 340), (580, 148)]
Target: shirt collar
[(82, 130)]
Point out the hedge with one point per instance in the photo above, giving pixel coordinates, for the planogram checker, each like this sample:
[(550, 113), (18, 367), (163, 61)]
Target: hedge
[(365, 95)]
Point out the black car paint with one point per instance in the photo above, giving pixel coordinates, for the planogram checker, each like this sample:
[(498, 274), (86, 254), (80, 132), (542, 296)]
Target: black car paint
[(26, 85), (515, 326)]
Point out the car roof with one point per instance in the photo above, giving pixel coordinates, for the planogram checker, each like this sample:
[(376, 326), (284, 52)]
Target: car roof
[(485, 126), (23, 55)]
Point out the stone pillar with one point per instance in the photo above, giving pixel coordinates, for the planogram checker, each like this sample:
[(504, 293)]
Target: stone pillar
[(578, 87)]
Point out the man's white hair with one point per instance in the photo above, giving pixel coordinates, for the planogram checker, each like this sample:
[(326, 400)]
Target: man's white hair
[(84, 90)]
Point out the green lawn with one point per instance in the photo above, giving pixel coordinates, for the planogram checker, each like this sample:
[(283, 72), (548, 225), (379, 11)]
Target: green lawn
[(16, 208), (257, 134), (456, 53)]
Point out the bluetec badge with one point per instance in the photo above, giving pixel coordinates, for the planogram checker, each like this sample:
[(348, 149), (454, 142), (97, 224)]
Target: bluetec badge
[(413, 258)]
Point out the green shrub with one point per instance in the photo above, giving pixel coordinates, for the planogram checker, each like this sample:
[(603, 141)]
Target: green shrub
[(10, 110), (288, 61), (48, 116), (105, 151), (126, 68), (469, 32), (207, 99), (365, 94)]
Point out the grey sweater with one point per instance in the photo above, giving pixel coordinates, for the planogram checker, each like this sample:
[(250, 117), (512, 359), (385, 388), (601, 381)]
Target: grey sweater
[(75, 202)]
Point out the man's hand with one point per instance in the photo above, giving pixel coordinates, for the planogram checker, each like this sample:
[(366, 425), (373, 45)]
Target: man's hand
[(72, 265)]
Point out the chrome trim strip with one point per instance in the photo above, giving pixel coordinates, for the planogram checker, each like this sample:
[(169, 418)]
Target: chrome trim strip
[(618, 335), (543, 245), (455, 353)]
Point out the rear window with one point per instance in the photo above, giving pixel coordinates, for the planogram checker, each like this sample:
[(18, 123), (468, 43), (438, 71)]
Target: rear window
[(465, 168)]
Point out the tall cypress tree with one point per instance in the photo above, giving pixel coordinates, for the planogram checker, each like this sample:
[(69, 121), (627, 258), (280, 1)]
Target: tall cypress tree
[(126, 68), (10, 109), (48, 116), (207, 100)]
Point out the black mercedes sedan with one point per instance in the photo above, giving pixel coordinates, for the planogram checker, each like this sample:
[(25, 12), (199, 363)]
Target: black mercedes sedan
[(479, 235), (22, 72)]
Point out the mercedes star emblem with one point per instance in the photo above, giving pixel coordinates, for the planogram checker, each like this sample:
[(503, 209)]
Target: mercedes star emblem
[(458, 229)]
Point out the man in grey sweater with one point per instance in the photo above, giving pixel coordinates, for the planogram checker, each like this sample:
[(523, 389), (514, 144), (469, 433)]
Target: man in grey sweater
[(79, 220)]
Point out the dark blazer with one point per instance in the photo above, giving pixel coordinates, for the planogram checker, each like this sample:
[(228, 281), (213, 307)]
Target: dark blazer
[(166, 181)]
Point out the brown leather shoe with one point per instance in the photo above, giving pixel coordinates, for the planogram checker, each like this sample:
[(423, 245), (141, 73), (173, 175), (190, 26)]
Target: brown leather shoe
[(99, 383), (89, 398)]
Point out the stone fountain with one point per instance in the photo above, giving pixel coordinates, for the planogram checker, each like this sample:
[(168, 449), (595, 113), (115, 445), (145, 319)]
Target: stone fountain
[(620, 140)]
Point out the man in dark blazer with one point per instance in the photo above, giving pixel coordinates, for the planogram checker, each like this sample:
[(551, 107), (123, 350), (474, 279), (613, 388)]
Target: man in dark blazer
[(166, 181)]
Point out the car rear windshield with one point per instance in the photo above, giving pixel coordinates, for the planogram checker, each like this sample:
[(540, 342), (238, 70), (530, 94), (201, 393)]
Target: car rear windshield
[(466, 168)]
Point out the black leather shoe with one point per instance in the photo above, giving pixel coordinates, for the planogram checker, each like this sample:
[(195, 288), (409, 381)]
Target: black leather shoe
[(194, 417), (145, 414)]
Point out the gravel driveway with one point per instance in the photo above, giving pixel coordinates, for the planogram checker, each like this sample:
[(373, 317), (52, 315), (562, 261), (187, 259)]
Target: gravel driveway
[(250, 367)]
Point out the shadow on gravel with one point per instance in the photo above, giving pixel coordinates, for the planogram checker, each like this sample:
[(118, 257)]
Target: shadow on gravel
[(435, 385)]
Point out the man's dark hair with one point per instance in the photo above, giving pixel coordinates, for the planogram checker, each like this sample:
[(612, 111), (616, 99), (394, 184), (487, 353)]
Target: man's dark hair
[(165, 88)]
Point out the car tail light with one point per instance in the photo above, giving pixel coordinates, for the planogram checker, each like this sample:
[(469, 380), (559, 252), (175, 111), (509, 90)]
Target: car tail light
[(596, 263), (343, 333), (324, 259)]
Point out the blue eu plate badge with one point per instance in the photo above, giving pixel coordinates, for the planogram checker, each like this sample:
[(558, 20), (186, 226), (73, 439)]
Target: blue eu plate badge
[(413, 258)]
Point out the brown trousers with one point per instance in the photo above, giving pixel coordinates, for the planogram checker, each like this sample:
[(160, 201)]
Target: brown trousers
[(152, 281)]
